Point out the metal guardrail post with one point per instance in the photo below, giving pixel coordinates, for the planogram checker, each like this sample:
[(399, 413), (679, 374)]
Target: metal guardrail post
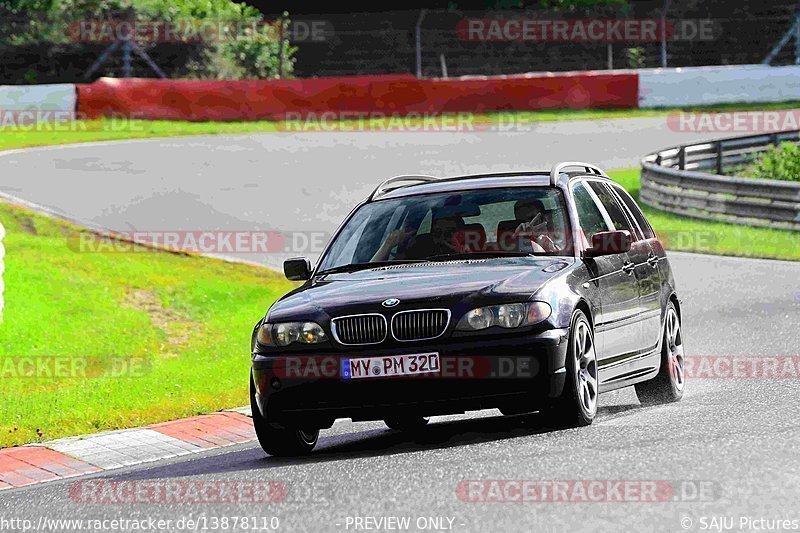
[(720, 170), (682, 158), (664, 33), (797, 40), (418, 41), (793, 32), (280, 47)]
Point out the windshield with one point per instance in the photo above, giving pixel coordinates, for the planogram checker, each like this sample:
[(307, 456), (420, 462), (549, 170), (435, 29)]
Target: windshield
[(511, 221)]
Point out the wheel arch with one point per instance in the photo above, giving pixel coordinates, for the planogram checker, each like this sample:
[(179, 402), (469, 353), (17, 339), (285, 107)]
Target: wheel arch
[(583, 305), (677, 303)]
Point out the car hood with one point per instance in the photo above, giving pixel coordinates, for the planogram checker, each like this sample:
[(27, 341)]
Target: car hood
[(448, 284)]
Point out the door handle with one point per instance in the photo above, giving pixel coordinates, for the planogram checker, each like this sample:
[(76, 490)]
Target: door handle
[(653, 260), (628, 268)]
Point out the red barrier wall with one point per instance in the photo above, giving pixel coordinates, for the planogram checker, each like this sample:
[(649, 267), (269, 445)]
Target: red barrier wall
[(403, 94)]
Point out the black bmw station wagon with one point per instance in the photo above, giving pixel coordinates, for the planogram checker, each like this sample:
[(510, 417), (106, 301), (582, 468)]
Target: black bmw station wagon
[(531, 292)]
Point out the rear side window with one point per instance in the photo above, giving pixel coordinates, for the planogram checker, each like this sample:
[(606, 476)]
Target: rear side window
[(589, 215), (614, 209), (635, 211)]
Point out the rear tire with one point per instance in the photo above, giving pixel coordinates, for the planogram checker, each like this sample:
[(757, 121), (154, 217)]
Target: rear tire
[(406, 423), (668, 385), (280, 442), (577, 404)]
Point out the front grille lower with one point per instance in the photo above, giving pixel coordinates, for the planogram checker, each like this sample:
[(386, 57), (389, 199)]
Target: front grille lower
[(420, 324), (359, 329)]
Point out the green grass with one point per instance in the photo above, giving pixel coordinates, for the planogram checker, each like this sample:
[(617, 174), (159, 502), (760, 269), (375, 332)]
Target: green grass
[(720, 238), (185, 319), (119, 129)]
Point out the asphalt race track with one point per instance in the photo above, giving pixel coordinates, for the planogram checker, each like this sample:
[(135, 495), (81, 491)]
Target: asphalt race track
[(301, 183), (734, 440)]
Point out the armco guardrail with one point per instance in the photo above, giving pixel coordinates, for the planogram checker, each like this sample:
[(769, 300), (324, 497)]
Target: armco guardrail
[(676, 180)]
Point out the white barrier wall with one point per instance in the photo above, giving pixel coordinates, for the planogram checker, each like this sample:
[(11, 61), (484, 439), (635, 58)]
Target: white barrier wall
[(718, 85), (16, 99)]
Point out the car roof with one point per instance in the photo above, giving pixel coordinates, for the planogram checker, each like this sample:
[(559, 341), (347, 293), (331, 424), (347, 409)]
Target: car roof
[(536, 178)]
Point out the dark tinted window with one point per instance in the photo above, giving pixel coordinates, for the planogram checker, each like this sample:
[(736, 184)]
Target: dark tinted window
[(637, 213), (589, 216), (454, 223), (614, 209)]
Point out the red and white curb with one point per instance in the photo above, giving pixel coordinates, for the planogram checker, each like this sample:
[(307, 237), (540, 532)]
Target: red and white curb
[(76, 456)]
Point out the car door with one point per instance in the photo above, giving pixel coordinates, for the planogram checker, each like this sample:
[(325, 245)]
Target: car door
[(648, 272), (617, 330), (644, 269)]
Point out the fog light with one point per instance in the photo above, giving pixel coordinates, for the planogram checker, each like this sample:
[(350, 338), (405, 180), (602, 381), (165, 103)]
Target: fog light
[(275, 383)]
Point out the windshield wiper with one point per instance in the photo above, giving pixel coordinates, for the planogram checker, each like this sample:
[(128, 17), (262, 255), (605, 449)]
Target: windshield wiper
[(354, 267), (471, 255)]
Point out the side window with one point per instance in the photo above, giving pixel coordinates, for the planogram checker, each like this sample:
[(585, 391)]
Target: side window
[(589, 215), (614, 209), (647, 229)]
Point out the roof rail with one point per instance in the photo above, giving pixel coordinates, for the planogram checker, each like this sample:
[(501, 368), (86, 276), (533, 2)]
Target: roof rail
[(384, 188), (558, 167)]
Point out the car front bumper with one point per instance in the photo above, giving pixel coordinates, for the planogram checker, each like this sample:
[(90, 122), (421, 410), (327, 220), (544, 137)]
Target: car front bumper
[(516, 373)]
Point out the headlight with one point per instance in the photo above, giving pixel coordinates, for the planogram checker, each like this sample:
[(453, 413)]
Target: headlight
[(506, 316), (480, 318), (511, 315), (286, 333)]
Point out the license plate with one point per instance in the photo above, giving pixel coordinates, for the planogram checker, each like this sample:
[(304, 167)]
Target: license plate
[(390, 365)]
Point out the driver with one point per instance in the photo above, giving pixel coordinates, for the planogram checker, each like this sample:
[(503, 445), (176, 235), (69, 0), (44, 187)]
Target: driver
[(443, 239)]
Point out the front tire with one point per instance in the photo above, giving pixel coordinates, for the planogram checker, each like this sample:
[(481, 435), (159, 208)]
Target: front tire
[(280, 442), (668, 385), (577, 405)]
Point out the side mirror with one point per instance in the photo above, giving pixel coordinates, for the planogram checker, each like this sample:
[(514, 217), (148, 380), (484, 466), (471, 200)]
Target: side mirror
[(297, 269), (609, 243)]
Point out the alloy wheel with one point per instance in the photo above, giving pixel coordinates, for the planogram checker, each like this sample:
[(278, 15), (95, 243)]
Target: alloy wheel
[(674, 341), (586, 368)]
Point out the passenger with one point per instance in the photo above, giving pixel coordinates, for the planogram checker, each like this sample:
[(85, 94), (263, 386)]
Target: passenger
[(532, 227)]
